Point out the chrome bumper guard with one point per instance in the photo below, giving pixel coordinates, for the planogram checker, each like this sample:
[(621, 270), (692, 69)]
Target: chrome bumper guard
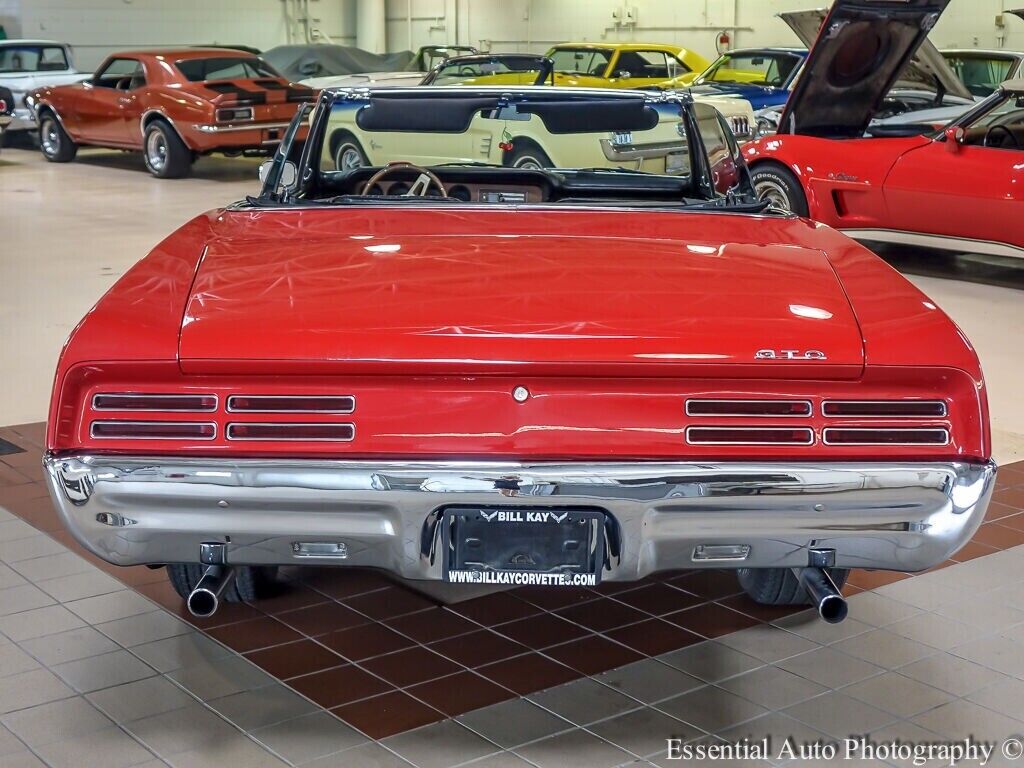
[(135, 510)]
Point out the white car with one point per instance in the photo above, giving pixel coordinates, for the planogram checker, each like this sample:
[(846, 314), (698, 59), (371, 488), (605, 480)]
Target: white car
[(29, 64)]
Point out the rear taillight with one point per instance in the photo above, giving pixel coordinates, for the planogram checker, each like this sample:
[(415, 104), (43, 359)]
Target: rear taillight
[(291, 404), (152, 430), (148, 402), (234, 114), (885, 409), (749, 436), (885, 436), (748, 408), (291, 432)]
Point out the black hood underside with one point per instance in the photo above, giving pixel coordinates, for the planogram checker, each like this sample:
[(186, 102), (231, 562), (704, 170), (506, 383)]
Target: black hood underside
[(858, 56)]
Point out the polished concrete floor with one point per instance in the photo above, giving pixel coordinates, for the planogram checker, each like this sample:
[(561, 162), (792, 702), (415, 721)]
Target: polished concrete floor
[(99, 666)]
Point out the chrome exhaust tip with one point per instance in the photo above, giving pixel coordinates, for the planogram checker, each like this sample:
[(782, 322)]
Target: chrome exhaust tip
[(824, 594), (205, 599)]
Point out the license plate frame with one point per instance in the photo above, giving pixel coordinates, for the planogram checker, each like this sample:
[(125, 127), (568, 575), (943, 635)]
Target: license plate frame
[(523, 546)]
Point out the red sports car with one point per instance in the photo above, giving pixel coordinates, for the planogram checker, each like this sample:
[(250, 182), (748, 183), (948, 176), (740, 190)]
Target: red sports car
[(513, 376), (173, 105), (958, 188)]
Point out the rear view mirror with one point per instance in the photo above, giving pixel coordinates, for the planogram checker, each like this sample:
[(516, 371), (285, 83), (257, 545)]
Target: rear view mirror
[(954, 138)]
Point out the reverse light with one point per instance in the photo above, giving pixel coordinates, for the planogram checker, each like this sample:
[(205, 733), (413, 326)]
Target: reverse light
[(152, 430), (316, 432), (153, 402)]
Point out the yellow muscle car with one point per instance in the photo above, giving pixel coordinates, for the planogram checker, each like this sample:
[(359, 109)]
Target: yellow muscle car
[(624, 65)]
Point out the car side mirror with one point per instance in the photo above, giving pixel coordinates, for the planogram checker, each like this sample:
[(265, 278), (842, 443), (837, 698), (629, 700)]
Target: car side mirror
[(954, 138), (623, 74), (289, 173)]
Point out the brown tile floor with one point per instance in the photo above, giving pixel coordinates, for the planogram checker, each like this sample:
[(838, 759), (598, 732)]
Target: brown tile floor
[(385, 658)]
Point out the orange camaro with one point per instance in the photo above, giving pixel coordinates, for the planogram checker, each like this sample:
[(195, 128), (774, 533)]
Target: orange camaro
[(173, 105)]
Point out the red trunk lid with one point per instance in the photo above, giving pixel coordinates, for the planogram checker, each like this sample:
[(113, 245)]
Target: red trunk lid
[(559, 294)]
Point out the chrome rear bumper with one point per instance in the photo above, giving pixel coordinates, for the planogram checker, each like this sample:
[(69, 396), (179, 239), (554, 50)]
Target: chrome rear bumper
[(133, 510)]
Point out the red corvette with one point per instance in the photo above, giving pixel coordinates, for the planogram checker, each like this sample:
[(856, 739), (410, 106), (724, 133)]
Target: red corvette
[(516, 376), (173, 105), (959, 188)]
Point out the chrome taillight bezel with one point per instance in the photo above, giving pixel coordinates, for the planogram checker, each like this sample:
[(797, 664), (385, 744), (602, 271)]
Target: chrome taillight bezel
[(128, 423), (96, 405), (808, 431), (943, 410), (809, 408), (881, 430), (231, 407), (232, 426)]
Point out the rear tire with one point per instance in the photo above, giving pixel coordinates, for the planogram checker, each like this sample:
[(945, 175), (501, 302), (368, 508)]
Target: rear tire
[(777, 184), (780, 586), (528, 156), (165, 153), (54, 142), (349, 154), (251, 582)]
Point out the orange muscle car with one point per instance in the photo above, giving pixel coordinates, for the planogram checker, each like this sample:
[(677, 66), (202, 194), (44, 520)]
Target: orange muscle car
[(173, 105)]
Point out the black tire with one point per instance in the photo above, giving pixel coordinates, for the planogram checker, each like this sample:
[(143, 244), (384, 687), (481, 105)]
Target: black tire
[(54, 142), (778, 184), (528, 156), (166, 155), (251, 583), (780, 586), (348, 153)]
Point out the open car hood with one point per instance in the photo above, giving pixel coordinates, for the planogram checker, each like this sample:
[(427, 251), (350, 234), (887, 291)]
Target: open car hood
[(860, 50)]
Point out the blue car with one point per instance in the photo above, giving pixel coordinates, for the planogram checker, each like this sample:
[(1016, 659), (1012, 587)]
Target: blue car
[(762, 76)]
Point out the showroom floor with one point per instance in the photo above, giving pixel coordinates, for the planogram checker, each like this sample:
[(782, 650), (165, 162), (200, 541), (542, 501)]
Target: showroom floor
[(99, 666)]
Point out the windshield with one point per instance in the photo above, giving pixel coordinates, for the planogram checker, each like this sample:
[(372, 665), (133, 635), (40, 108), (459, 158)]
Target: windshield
[(506, 70), (769, 69), (500, 145), (224, 68), (981, 73), (33, 58), (580, 61)]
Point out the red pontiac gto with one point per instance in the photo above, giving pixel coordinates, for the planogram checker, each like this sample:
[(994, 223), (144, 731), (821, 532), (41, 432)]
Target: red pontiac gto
[(173, 105), (957, 188), (496, 375)]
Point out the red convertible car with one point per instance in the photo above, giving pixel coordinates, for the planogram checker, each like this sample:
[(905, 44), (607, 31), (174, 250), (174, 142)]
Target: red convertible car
[(173, 105), (957, 188), (511, 376)]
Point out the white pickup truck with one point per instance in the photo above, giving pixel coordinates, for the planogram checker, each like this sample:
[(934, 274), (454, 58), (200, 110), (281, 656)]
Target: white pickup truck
[(29, 64)]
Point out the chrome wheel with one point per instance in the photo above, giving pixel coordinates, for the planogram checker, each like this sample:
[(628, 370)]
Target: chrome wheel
[(49, 137), (531, 163), (156, 151), (349, 158), (776, 195)]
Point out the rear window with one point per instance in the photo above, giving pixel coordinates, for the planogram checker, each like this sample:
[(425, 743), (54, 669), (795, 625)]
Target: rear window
[(224, 68)]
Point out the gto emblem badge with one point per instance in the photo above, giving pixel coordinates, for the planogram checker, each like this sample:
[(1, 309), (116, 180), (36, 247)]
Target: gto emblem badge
[(789, 354)]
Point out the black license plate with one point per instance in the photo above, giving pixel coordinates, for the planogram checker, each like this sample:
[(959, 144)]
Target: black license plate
[(517, 546)]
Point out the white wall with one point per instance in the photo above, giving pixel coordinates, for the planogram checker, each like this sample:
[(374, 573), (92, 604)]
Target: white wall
[(96, 27), (531, 25)]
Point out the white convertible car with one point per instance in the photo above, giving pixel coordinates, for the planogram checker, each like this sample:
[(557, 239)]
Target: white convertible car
[(29, 64)]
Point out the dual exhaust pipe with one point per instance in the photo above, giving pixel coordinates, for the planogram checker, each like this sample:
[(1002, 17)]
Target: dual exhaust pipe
[(206, 598), (825, 595)]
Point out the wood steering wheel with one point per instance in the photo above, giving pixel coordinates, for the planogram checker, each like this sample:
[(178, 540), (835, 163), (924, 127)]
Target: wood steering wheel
[(419, 188)]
